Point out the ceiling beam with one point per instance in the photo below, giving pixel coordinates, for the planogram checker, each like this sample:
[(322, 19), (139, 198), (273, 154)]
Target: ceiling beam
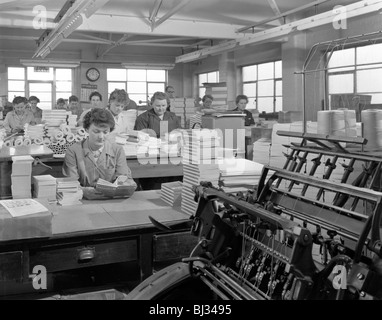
[(284, 14), (352, 10), (154, 13), (276, 10), (115, 44), (170, 13)]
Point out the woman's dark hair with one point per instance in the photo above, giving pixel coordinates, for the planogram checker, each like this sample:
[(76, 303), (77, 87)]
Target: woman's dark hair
[(73, 98), (119, 95), (19, 99), (34, 98), (160, 96), (207, 96), (241, 97), (100, 117), (95, 93)]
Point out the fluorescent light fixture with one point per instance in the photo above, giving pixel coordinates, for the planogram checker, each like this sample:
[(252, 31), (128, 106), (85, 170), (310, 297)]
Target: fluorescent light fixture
[(143, 65), (50, 63), (264, 35)]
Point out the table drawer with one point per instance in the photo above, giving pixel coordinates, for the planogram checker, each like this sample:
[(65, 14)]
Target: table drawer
[(11, 266), (68, 257)]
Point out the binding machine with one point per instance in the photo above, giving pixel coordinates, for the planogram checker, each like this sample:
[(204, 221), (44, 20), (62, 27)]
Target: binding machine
[(296, 235)]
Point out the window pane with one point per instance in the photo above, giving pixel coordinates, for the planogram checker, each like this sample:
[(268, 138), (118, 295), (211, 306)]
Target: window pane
[(342, 58), (250, 73), (111, 86), (156, 75), (279, 104), (16, 73), (40, 87), (369, 54), (43, 96), (64, 95), (202, 78), (202, 92), (279, 88), (376, 98), (45, 105), (153, 87), (136, 75), (116, 75), (369, 80), (265, 104), (212, 77), (140, 99), (265, 88), (251, 103), (16, 85), (278, 69), (32, 75), (63, 86), (341, 83), (136, 87), (249, 89), (64, 74), (266, 71), (13, 94)]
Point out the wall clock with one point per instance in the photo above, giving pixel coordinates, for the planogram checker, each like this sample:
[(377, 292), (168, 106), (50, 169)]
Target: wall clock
[(92, 74)]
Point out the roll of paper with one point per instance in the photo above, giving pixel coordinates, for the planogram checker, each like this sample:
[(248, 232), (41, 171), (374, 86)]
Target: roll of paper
[(38, 141), (58, 135), (78, 138), (61, 142), (18, 142), (372, 128), (8, 143), (70, 137), (27, 142), (46, 142), (81, 132)]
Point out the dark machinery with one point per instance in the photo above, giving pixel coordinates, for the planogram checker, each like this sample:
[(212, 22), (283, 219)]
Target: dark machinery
[(294, 236)]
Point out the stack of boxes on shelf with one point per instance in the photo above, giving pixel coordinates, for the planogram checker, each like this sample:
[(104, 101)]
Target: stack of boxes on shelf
[(21, 176), (184, 108), (219, 92)]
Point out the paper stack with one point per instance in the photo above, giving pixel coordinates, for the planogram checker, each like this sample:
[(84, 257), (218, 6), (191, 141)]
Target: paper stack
[(237, 174), (72, 120), (21, 177), (44, 187), (171, 193), (34, 132), (130, 117), (177, 106), (68, 191), (196, 120), (200, 163)]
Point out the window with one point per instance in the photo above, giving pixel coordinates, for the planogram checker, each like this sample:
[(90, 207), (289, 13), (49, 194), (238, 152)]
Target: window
[(140, 84), (210, 77), (48, 84), (356, 71), (262, 84)]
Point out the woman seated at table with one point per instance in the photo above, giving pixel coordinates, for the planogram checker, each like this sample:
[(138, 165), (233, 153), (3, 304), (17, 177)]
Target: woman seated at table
[(241, 103), (96, 157), (15, 120), (150, 120), (37, 112)]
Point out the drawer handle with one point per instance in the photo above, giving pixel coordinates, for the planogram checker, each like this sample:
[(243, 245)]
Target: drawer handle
[(86, 254)]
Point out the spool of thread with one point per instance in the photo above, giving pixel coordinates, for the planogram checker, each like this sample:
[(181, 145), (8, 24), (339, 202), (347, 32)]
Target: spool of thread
[(27, 142), (58, 135), (70, 137), (340, 122), (372, 128), (38, 141), (81, 132), (65, 129)]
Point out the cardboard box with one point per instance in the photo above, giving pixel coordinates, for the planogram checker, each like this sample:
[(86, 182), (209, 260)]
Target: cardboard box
[(36, 225)]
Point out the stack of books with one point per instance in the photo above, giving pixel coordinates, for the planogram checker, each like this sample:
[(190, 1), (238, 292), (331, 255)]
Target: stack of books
[(171, 193), (68, 191), (200, 163), (21, 177), (44, 187)]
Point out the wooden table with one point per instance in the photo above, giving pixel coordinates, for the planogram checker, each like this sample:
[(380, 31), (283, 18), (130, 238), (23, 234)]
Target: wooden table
[(93, 234), (6, 154)]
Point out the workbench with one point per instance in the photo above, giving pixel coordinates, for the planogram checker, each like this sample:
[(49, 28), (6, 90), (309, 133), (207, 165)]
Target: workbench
[(92, 234)]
